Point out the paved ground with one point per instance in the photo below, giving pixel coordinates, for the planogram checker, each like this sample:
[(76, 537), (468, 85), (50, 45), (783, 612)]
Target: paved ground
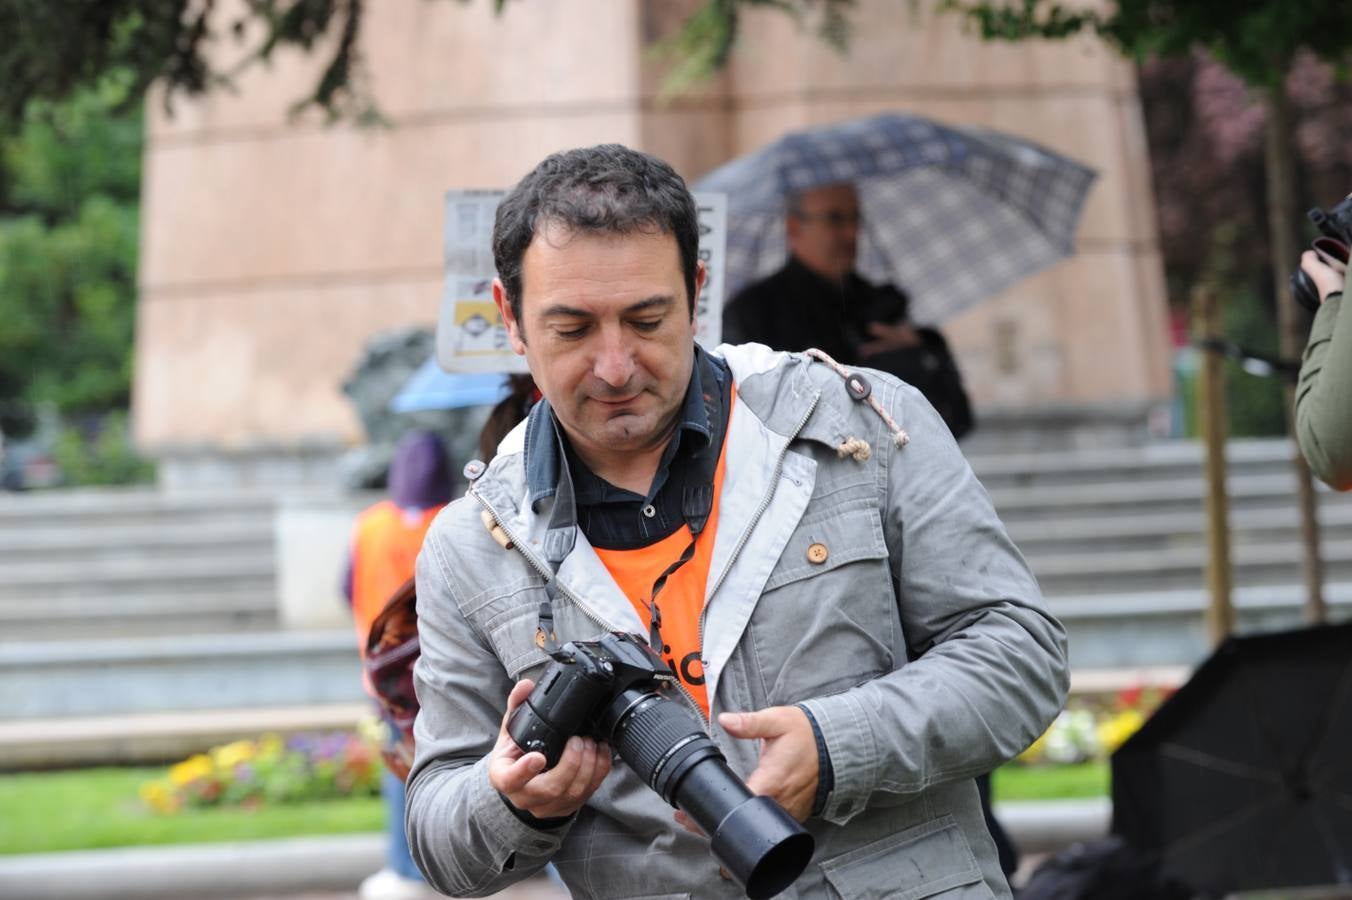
[(535, 889)]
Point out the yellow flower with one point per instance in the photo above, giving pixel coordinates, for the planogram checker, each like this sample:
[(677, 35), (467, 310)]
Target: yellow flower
[(158, 797), (271, 746), (1113, 732), (191, 769), (1035, 750), (231, 755)]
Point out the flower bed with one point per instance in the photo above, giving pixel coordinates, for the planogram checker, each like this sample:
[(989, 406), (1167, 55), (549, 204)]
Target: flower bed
[(1092, 727), (270, 770)]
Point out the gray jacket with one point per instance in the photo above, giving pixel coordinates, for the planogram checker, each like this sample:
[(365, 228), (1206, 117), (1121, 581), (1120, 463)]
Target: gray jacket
[(921, 645)]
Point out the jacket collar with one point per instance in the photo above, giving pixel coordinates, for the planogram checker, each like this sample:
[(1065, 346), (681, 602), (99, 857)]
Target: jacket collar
[(774, 386)]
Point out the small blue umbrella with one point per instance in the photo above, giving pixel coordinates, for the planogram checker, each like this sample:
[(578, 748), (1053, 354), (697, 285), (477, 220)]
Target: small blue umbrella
[(431, 388), (951, 215)]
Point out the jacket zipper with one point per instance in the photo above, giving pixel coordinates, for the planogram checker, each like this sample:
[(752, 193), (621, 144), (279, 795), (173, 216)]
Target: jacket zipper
[(544, 571), (755, 518)]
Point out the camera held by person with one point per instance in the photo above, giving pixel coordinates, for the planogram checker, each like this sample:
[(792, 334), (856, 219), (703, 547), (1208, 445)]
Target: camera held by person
[(1324, 390), (616, 690), (1331, 248)]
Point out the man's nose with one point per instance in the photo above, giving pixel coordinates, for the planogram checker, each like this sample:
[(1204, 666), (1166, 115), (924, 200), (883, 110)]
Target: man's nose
[(614, 363)]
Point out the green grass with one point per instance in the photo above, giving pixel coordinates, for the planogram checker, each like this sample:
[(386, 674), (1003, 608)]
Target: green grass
[(90, 808), (1015, 782)]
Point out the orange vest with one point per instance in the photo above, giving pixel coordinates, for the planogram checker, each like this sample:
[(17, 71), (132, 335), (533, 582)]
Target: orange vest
[(681, 599), (385, 545)]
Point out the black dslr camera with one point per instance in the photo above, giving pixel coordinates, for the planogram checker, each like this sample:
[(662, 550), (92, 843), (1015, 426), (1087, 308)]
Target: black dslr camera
[(615, 690), (1336, 226)]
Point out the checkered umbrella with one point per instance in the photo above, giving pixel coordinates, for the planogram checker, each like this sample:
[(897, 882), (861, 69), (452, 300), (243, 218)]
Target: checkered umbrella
[(952, 216)]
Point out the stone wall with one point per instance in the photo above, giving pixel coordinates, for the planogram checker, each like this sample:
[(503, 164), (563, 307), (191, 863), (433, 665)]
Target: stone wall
[(271, 248)]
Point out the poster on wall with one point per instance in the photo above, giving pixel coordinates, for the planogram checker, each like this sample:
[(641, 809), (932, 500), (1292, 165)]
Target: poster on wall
[(471, 336)]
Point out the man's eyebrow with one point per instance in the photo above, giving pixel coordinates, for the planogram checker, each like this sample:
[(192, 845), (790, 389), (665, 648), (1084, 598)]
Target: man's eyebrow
[(661, 301), (561, 310)]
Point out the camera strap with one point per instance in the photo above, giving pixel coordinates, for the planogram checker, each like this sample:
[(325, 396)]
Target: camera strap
[(560, 538)]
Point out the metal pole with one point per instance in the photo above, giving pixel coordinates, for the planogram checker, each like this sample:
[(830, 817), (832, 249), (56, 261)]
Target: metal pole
[(1220, 613)]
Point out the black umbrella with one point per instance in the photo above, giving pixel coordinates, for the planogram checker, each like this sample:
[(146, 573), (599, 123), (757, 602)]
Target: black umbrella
[(1243, 779)]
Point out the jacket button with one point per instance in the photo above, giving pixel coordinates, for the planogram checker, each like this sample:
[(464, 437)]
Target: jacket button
[(473, 469), (817, 554)]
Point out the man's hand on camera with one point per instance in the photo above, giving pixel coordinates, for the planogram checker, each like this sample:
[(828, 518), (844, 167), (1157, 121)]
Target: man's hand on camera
[(789, 767), (1326, 278), (520, 778)]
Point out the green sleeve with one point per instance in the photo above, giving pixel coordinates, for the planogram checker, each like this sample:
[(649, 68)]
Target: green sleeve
[(1324, 396)]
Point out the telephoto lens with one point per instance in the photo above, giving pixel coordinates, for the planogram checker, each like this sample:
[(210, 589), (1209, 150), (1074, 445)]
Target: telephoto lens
[(756, 841)]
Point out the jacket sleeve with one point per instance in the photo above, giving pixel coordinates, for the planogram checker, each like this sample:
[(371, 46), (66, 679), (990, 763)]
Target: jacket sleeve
[(461, 833), (988, 669), (1324, 395)]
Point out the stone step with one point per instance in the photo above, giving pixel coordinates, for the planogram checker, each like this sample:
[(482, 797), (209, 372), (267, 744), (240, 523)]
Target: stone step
[(1155, 496), (130, 506), (105, 577), (1167, 628), (181, 672), (136, 615), (155, 541), (43, 679), (1175, 568), (145, 738), (1141, 531), (1172, 459)]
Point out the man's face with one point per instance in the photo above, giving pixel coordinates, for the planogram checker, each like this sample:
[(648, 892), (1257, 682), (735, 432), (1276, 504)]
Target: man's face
[(607, 332), (824, 232)]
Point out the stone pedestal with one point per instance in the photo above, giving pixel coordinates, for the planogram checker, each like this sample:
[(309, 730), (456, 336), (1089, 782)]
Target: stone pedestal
[(313, 535)]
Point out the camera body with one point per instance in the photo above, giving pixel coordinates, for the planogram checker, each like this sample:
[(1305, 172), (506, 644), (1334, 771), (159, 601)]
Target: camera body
[(1335, 223), (615, 690), (575, 691)]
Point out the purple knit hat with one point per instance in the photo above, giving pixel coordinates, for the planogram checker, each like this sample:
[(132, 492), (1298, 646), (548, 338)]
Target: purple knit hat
[(420, 473)]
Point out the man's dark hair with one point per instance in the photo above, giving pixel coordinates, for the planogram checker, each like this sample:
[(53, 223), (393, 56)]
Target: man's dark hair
[(607, 188)]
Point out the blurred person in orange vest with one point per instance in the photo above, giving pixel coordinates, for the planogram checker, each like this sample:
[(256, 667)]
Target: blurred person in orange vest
[(385, 543)]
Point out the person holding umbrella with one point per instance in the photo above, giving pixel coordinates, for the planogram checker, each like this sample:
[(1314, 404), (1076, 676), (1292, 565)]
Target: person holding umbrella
[(818, 300)]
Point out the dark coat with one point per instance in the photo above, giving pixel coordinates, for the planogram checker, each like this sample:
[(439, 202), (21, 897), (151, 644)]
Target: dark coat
[(795, 309)]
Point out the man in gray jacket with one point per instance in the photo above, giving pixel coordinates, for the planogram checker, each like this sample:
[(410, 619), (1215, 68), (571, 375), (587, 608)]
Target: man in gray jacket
[(807, 546)]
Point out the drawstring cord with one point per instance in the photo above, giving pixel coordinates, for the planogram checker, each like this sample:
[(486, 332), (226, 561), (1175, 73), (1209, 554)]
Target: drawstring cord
[(860, 390)]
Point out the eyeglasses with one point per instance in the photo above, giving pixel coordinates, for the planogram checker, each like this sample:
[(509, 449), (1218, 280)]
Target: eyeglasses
[(834, 219)]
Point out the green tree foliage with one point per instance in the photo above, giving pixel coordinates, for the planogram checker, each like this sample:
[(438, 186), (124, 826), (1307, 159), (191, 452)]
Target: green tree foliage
[(69, 187), (53, 49), (1255, 39)]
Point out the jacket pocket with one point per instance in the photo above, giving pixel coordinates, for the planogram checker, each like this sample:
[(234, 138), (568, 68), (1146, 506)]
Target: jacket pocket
[(822, 543), (827, 619), (924, 861)]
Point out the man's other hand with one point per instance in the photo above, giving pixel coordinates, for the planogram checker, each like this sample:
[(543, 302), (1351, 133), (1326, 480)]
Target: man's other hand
[(520, 776), (789, 767), (1326, 278), (886, 337)]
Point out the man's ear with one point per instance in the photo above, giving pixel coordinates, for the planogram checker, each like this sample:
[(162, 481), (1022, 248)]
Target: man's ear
[(515, 333), (701, 275)]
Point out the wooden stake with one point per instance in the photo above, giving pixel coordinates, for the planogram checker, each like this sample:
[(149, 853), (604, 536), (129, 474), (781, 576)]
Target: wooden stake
[(1220, 614)]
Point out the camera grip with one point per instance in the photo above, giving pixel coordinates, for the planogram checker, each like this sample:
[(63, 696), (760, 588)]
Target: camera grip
[(533, 734)]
